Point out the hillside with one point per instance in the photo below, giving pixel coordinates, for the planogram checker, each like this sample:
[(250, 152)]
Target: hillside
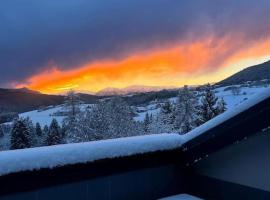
[(253, 73), (21, 100)]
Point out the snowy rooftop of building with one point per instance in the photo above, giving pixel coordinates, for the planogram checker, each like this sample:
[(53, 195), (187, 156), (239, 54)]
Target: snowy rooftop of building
[(49, 157)]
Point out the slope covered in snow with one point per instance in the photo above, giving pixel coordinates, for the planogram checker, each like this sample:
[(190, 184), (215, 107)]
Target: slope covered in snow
[(44, 117)]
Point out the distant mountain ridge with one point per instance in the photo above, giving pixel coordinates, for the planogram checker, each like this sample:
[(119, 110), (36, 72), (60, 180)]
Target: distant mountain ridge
[(24, 99), (20, 100), (130, 90), (253, 73)]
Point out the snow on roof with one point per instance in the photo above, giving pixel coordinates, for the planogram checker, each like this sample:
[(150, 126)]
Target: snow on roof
[(49, 157), (227, 115), (181, 197)]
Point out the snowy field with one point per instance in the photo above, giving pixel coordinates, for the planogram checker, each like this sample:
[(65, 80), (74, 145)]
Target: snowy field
[(45, 117), (235, 100)]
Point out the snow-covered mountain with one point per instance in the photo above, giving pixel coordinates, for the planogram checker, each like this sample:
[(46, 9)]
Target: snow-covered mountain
[(130, 90)]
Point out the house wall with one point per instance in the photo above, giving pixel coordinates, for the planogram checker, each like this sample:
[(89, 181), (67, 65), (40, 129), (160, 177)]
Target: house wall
[(246, 163)]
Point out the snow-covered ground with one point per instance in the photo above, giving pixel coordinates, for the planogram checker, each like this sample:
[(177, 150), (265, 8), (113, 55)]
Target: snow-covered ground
[(235, 100), (44, 117)]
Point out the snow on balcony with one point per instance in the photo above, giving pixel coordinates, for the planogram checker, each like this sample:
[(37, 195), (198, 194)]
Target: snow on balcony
[(59, 155)]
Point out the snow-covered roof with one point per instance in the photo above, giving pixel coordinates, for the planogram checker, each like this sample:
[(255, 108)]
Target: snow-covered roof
[(261, 96), (49, 157)]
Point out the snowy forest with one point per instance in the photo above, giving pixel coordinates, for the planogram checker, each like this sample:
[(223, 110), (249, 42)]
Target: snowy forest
[(113, 118)]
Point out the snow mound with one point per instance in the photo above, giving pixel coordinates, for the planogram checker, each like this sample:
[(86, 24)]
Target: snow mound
[(49, 157), (265, 94), (181, 197)]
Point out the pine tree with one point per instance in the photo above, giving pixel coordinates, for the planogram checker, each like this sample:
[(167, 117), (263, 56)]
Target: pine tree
[(165, 120), (208, 108), (38, 130), (46, 130), (146, 124), (81, 131), (186, 111), (32, 131), (120, 118), (98, 121), (221, 105), (1, 131), (54, 136), (20, 136), (45, 133)]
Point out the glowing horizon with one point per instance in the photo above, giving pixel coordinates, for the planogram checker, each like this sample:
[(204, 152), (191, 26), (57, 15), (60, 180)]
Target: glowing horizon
[(183, 64)]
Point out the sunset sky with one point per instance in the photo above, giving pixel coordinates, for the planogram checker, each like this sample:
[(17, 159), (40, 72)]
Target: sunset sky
[(88, 45)]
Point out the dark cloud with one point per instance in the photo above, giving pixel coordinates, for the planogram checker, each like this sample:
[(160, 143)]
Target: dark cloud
[(34, 33)]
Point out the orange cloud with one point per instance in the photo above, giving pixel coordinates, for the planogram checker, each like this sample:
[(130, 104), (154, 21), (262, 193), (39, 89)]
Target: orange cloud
[(181, 64)]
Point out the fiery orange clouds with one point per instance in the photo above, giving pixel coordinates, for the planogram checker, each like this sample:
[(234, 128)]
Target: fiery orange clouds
[(183, 63)]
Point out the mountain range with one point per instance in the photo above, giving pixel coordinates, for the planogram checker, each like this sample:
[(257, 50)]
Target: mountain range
[(130, 90)]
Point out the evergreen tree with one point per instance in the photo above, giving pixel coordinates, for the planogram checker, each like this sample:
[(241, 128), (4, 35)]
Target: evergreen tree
[(46, 130), (45, 133), (146, 124), (54, 136), (32, 131), (81, 131), (20, 136), (165, 120), (98, 120), (208, 108), (221, 106), (120, 118), (186, 111), (38, 130), (1, 131)]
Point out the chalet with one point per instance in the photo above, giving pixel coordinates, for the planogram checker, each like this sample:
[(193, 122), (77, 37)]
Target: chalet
[(226, 158)]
